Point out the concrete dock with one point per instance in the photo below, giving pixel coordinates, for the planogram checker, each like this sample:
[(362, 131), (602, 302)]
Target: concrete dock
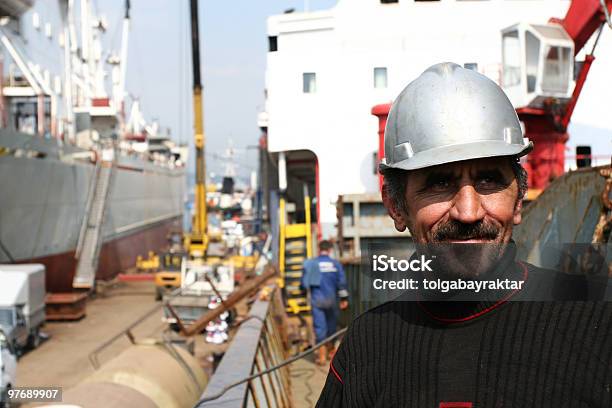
[(63, 359)]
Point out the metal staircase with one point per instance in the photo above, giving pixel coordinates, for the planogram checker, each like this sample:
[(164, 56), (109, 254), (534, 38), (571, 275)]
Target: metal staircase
[(295, 248), (295, 255), (90, 238)]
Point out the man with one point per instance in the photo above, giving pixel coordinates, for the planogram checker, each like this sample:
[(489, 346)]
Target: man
[(452, 177), (324, 279)]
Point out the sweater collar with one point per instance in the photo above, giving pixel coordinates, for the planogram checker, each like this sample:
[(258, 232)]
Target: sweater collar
[(464, 305)]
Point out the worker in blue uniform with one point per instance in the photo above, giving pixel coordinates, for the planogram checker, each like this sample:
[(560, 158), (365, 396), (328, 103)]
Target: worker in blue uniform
[(325, 281)]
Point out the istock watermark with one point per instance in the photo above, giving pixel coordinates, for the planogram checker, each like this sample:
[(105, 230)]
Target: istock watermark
[(384, 263), (422, 264), (411, 271)]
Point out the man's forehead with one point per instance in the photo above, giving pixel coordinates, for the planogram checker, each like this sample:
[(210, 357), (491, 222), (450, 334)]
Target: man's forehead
[(501, 164)]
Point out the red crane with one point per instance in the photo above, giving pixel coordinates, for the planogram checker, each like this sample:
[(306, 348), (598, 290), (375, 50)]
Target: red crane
[(538, 65), (546, 121)]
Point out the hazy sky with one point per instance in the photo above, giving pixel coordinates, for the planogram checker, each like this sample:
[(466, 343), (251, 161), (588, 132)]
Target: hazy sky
[(233, 53)]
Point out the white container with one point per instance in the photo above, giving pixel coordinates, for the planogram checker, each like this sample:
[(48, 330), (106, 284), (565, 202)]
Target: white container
[(24, 285)]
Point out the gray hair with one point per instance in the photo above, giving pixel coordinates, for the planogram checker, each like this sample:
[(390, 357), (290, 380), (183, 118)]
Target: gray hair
[(395, 182)]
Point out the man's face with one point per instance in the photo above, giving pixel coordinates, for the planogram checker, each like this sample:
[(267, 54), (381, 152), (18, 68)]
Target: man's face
[(473, 201)]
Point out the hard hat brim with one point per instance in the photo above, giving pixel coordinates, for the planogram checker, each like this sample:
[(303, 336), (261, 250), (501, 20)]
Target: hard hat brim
[(460, 152)]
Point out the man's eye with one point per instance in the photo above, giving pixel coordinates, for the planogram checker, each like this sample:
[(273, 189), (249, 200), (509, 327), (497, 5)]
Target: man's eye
[(440, 185), (489, 182)]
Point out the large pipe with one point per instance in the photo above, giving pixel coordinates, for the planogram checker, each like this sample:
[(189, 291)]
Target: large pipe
[(282, 172), (148, 374), (381, 112)]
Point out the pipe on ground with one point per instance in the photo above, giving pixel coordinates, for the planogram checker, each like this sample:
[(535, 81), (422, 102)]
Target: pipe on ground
[(148, 374)]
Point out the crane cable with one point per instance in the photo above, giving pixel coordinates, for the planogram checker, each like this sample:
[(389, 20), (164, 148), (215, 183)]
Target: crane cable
[(606, 12), (303, 354)]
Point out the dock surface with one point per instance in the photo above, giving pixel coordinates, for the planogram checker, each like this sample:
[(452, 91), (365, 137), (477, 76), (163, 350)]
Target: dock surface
[(62, 360), (307, 380)]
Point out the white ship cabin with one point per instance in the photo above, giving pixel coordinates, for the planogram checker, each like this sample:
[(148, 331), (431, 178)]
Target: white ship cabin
[(538, 63), (326, 70)]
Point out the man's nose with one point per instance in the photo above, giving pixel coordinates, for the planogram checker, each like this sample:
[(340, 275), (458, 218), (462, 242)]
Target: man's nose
[(467, 206)]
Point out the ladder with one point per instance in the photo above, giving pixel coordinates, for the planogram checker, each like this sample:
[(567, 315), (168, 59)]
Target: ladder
[(90, 238), (295, 248)]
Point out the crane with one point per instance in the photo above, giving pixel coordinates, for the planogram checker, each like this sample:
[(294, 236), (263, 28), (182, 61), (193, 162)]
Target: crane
[(538, 65), (197, 240)]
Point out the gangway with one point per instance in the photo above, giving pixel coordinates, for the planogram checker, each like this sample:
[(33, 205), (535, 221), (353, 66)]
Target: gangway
[(90, 238)]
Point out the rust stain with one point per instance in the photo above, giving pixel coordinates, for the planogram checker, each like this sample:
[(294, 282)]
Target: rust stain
[(603, 225)]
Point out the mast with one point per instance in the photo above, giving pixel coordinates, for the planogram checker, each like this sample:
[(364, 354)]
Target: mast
[(124, 55), (86, 50), (68, 46)]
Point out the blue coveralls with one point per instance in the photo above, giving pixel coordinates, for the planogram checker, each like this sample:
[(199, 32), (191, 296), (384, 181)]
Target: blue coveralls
[(325, 279)]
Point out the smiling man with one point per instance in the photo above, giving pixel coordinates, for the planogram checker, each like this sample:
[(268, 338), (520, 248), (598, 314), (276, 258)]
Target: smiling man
[(453, 178)]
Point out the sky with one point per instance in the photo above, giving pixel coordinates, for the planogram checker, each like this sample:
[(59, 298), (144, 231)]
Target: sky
[(233, 43)]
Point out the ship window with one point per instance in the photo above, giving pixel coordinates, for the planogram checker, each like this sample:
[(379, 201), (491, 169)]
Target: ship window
[(36, 20), (556, 69), (380, 77), (532, 46), (389, 1), (273, 43), (471, 65), (511, 53), (57, 84), (309, 82), (6, 319)]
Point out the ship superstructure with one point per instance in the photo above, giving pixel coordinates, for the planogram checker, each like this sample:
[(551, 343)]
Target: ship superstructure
[(327, 69)]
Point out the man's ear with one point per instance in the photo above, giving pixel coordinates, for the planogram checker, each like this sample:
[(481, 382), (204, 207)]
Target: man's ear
[(517, 217), (393, 210)]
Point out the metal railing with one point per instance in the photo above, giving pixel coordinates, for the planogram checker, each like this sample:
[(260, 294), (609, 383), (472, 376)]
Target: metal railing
[(257, 346)]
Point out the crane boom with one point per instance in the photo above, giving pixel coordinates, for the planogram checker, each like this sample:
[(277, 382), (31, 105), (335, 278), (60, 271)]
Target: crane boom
[(582, 19), (197, 241)]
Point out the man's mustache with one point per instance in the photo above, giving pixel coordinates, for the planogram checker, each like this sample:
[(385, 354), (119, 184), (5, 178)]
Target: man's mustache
[(455, 230)]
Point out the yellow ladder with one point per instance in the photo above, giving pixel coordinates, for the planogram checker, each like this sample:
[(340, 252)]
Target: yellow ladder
[(295, 247)]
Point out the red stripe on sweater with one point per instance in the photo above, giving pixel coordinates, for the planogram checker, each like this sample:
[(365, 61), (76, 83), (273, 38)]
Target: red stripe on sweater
[(482, 312), (333, 370)]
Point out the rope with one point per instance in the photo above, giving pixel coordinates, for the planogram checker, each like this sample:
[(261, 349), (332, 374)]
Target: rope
[(597, 38)]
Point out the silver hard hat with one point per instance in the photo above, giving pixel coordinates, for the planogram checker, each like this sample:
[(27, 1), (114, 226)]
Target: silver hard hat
[(450, 114)]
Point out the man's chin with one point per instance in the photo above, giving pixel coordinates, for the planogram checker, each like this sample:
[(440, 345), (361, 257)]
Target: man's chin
[(465, 258)]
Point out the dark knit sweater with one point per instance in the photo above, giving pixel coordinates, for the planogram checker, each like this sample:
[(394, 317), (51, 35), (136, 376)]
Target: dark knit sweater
[(508, 353)]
